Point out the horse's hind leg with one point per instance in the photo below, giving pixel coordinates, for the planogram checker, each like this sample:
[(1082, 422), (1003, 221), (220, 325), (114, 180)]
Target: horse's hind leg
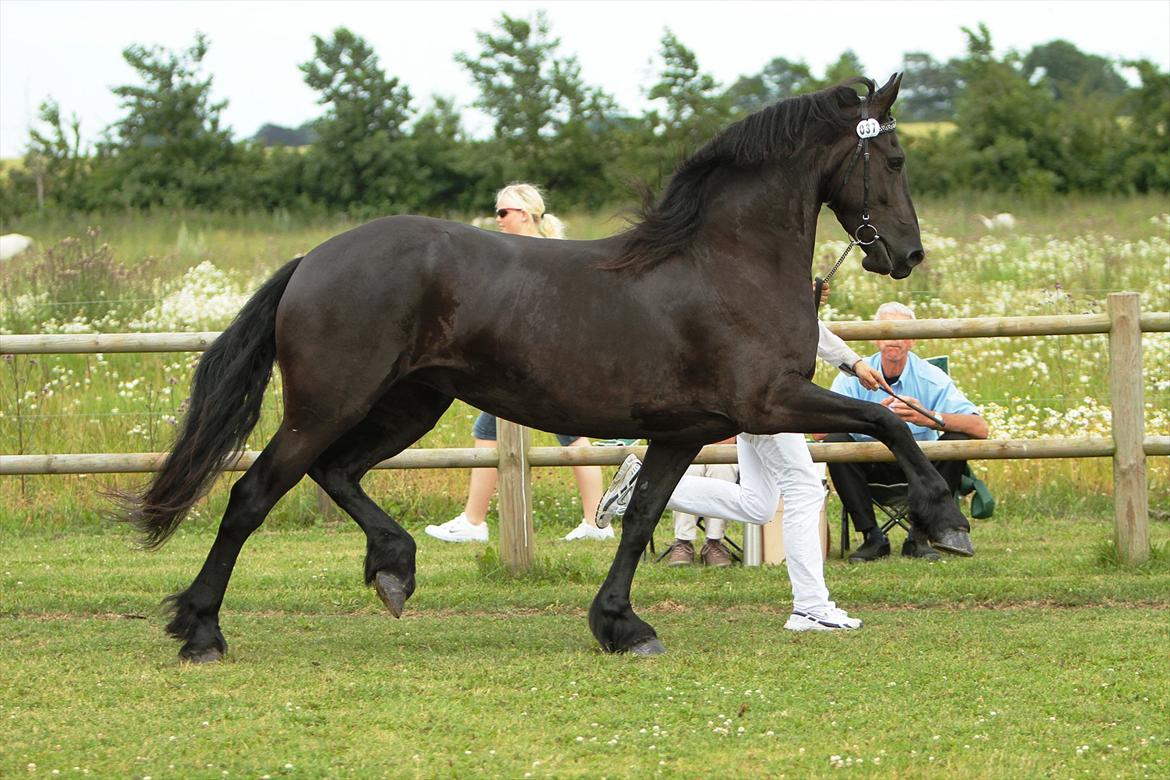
[(395, 422), (281, 465), (611, 617)]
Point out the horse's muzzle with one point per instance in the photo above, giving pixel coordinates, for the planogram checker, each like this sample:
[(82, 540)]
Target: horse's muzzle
[(912, 259), (880, 258)]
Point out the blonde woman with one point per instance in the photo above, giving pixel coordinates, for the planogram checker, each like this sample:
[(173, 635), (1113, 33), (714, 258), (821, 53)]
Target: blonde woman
[(520, 211)]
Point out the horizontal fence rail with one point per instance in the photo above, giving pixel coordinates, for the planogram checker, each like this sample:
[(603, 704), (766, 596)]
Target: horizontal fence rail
[(486, 457), (972, 327), (1124, 322), (88, 343)]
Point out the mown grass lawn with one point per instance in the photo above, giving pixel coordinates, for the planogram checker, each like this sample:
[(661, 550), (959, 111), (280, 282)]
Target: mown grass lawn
[(1037, 658)]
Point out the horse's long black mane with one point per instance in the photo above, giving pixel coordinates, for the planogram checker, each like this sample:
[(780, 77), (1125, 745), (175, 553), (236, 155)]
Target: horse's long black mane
[(666, 228)]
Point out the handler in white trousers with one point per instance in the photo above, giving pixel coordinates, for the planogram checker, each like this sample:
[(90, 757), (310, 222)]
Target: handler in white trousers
[(770, 466)]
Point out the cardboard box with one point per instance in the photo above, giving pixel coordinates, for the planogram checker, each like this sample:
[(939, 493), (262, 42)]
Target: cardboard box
[(774, 537), (774, 532)]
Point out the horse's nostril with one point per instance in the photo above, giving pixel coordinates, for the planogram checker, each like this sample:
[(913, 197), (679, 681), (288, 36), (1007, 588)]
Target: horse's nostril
[(915, 257)]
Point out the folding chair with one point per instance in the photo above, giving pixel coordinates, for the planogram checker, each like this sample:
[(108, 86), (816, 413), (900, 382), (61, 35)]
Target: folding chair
[(893, 499)]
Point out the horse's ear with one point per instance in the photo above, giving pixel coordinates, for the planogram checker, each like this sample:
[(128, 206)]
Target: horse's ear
[(884, 99)]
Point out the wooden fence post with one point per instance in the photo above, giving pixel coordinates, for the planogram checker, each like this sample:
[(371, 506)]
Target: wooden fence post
[(515, 496), (1130, 499), (325, 506)]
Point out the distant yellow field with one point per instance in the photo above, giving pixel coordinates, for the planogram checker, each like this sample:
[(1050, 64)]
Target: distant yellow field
[(920, 129)]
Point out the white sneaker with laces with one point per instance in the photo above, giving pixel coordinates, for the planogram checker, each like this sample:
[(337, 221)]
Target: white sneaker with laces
[(617, 495), (823, 619), (459, 529), (586, 531)]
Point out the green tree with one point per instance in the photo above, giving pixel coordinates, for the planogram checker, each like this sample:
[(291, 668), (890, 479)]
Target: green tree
[(1007, 139), (695, 110), (1014, 136), (780, 78), (53, 163), (847, 66), (1145, 148), (928, 89), (454, 176), (1068, 71), (169, 148), (360, 160), (549, 126)]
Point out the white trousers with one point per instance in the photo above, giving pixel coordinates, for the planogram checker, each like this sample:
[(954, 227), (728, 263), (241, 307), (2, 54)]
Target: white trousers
[(770, 466), (685, 524)]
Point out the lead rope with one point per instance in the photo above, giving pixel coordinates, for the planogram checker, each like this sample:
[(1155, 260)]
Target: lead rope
[(820, 282)]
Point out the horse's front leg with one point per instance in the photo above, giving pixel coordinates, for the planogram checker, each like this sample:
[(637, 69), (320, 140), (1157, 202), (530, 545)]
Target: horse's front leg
[(802, 407), (611, 617)]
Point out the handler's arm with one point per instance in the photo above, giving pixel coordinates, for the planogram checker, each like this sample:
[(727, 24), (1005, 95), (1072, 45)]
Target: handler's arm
[(835, 352), (832, 350)]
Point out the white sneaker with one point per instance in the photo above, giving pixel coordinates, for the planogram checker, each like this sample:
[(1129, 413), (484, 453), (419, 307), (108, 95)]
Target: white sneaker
[(617, 495), (586, 531), (459, 529), (823, 619)]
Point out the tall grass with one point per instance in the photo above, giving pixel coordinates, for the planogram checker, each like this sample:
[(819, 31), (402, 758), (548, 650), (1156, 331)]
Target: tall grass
[(192, 271)]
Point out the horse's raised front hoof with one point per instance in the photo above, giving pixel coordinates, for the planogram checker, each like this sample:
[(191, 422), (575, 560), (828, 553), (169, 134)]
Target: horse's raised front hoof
[(650, 647), (391, 591), (207, 655), (954, 541)]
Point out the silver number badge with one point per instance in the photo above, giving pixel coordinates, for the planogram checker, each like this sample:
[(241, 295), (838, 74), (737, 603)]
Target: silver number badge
[(868, 128)]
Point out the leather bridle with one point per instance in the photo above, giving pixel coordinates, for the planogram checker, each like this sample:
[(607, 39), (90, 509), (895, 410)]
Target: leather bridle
[(866, 129)]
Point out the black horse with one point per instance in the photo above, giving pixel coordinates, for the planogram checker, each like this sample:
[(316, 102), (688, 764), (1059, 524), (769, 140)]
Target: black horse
[(692, 326)]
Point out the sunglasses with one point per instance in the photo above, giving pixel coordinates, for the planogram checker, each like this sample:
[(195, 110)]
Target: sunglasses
[(501, 213)]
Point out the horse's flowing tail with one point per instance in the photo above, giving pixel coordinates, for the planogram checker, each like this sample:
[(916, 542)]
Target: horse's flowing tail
[(226, 394)]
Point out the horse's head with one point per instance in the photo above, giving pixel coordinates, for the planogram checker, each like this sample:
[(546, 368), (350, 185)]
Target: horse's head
[(870, 192)]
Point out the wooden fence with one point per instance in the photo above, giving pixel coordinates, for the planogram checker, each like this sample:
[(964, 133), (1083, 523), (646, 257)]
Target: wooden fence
[(515, 457)]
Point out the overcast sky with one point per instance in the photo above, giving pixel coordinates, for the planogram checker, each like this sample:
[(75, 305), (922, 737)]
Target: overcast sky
[(71, 51)]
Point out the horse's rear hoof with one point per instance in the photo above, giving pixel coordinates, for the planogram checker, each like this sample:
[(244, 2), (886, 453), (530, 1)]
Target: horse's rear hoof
[(648, 648), (209, 655), (955, 542), (391, 591)]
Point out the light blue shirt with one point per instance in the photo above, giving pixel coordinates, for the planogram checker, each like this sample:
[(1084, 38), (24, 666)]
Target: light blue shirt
[(933, 387)]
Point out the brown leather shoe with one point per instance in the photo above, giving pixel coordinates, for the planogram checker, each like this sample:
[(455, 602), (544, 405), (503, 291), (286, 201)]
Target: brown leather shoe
[(715, 554), (682, 553)]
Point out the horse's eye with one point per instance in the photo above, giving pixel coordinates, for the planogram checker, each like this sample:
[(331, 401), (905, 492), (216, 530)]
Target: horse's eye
[(896, 163)]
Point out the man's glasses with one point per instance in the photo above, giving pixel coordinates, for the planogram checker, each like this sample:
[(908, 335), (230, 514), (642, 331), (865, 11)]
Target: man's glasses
[(501, 213)]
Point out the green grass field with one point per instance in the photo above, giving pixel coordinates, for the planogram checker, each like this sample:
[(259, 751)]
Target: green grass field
[(1037, 658)]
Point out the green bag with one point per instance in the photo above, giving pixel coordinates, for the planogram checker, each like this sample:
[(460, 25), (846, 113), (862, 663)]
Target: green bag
[(982, 503)]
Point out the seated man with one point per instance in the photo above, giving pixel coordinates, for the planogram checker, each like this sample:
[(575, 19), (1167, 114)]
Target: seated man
[(932, 389)]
